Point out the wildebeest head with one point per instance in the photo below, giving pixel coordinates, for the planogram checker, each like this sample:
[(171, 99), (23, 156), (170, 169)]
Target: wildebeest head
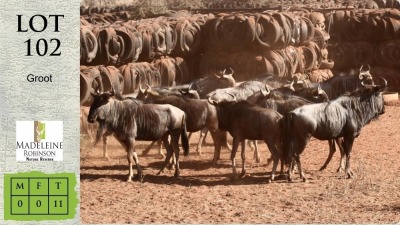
[(375, 91), (365, 75), (313, 94), (215, 81), (100, 106)]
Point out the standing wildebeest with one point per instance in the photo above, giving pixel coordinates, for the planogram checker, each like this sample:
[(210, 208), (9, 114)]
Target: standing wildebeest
[(232, 94), (246, 121), (286, 99), (169, 91), (342, 117), (199, 88), (335, 87), (130, 120), (199, 113), (338, 85)]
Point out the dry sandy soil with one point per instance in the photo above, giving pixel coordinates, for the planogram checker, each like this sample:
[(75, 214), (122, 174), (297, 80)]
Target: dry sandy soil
[(206, 195)]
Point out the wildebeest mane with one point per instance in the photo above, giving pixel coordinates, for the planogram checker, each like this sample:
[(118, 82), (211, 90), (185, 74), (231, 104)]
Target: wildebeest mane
[(363, 105)]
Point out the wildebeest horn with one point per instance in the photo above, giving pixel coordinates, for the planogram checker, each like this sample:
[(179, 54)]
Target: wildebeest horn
[(141, 90), (384, 82), (360, 76), (367, 85), (232, 71), (266, 92), (148, 87), (93, 93), (112, 92), (291, 86), (211, 101), (190, 86), (233, 96)]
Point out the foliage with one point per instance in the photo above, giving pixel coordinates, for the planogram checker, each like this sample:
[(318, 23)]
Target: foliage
[(148, 8)]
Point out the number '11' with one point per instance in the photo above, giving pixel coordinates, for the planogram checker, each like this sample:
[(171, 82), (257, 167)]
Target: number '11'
[(59, 205)]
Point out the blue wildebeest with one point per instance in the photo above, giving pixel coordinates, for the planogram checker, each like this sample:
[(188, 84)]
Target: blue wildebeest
[(197, 89), (342, 117), (129, 120), (232, 94), (199, 113), (335, 87), (166, 91), (246, 121), (286, 99), (340, 84)]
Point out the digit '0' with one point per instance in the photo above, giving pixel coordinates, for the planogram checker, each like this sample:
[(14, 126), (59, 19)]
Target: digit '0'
[(38, 203), (19, 203)]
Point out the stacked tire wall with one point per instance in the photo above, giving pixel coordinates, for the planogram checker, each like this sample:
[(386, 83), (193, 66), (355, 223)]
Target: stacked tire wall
[(361, 37), (282, 44), (133, 53), (174, 49)]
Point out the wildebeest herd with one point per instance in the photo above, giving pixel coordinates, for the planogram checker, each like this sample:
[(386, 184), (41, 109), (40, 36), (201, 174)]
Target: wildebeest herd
[(284, 114)]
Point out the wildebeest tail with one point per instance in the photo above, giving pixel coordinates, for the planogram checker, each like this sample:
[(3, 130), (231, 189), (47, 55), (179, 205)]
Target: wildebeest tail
[(287, 142), (184, 138)]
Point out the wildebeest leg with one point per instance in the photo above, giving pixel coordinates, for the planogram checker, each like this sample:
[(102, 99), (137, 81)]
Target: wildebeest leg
[(105, 141), (302, 176), (339, 142), (217, 137), (169, 152), (275, 156), (256, 152), (332, 150), (147, 150), (201, 140), (175, 146), (348, 145), (224, 141), (132, 156), (236, 142), (290, 170), (243, 154)]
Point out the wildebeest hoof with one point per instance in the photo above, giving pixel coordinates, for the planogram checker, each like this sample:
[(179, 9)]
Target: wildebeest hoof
[(176, 174), (243, 174), (129, 179), (322, 168), (305, 180), (350, 175), (140, 177)]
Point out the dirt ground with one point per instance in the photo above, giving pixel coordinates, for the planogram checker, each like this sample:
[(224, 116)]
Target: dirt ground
[(207, 195)]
